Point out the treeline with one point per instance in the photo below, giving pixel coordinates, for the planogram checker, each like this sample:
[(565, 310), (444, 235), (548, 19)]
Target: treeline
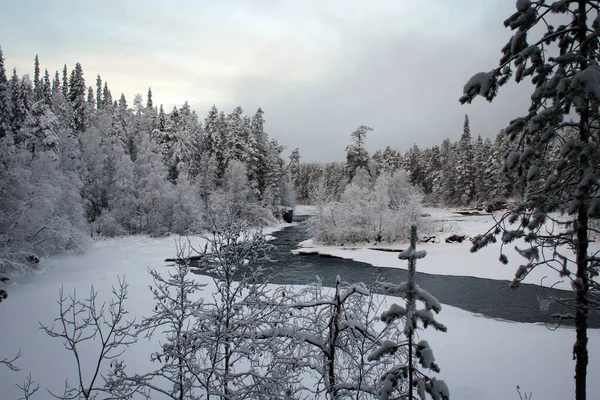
[(75, 163), (454, 174)]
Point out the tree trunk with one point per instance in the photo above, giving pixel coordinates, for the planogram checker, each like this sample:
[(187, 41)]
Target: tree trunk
[(580, 352), (411, 307), (333, 335)]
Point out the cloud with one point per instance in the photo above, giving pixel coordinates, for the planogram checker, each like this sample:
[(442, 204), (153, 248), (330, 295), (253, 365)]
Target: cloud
[(318, 69)]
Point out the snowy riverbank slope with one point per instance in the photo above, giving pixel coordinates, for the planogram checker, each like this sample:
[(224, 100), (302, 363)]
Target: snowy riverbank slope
[(448, 258)]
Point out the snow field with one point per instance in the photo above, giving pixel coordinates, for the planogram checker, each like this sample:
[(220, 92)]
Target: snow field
[(479, 358)]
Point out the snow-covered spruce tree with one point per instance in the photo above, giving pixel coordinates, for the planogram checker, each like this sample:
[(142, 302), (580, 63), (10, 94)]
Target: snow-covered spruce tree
[(76, 97), (464, 166), (409, 373), (5, 101), (562, 62), (413, 165), (333, 331), (388, 160)]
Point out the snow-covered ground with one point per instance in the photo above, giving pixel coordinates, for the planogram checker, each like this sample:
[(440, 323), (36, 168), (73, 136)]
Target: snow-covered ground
[(480, 358)]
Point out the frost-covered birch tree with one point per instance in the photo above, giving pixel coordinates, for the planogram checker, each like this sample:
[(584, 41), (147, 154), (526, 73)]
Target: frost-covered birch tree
[(236, 359), (86, 324), (174, 317), (556, 45), (333, 331)]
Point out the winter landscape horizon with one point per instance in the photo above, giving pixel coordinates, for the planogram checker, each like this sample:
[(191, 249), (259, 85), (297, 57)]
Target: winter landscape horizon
[(277, 214)]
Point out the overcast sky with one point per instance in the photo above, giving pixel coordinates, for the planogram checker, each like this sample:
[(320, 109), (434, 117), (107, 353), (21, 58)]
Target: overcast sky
[(317, 68)]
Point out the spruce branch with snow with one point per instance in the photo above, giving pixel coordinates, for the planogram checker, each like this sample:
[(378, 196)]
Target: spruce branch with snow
[(408, 373), (562, 63)]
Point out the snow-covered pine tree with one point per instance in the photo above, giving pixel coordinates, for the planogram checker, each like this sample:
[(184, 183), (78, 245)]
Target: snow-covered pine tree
[(93, 159), (216, 140), (237, 134), (479, 179), (562, 62), (149, 104), (391, 160), (294, 165), (65, 82), (107, 100), (413, 165), (37, 83), (258, 173), (506, 180), (376, 163), (150, 117), (431, 166), (487, 174), (91, 101), (335, 179), (47, 88), (56, 88), (40, 131), (447, 177), (464, 166), (187, 147), (117, 217), (122, 127), (409, 372), (77, 98), (99, 100), (356, 154), (21, 92), (5, 100)]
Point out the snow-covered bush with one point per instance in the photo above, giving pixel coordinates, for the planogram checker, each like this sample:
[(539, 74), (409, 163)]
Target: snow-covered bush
[(383, 214)]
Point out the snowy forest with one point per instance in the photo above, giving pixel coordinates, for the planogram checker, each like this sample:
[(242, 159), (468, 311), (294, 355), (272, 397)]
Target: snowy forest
[(153, 254), (468, 172), (77, 163)]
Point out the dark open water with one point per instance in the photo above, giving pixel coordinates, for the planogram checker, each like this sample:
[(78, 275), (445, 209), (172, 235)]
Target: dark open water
[(491, 298)]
